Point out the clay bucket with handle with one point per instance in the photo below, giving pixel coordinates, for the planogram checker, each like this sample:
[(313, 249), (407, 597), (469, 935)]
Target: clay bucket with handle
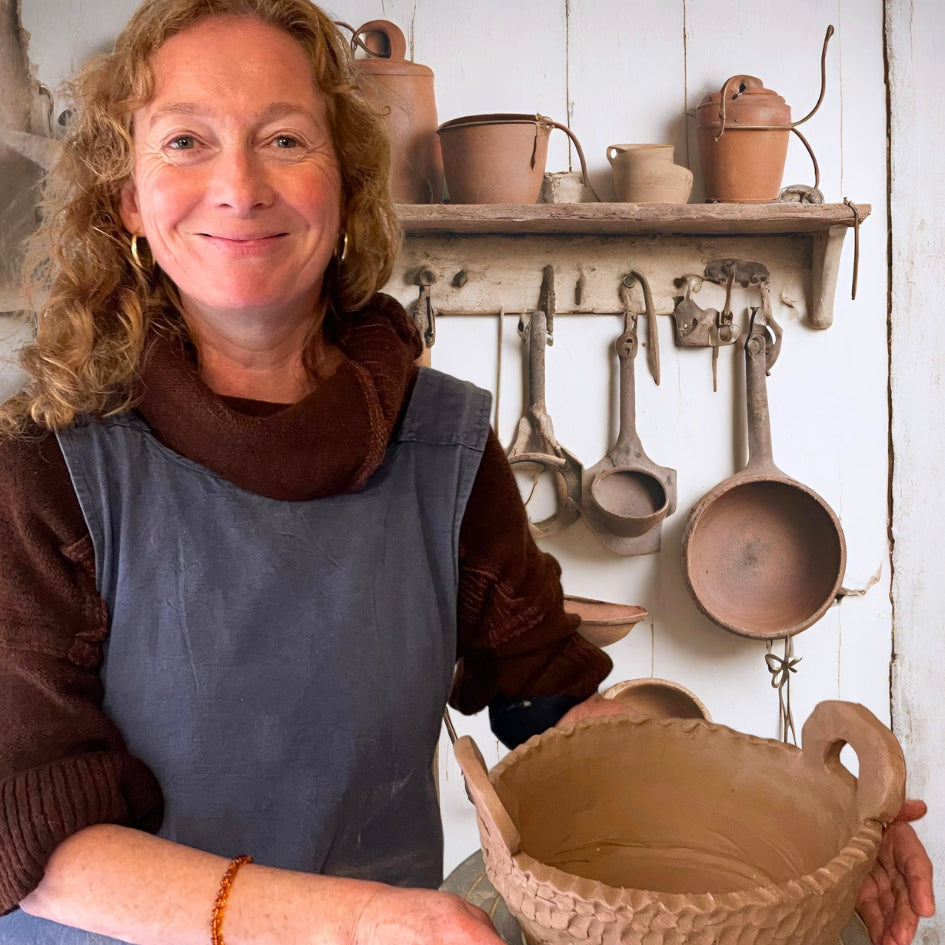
[(626, 495), (756, 840), (535, 449), (762, 554)]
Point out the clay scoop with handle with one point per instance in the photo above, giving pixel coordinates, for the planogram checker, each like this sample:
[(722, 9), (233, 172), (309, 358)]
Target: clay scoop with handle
[(626, 495), (763, 555)]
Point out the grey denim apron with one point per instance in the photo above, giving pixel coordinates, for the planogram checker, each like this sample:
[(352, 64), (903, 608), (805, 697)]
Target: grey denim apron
[(282, 667)]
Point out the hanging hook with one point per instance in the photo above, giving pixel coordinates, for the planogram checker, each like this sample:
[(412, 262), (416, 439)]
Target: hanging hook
[(425, 314)]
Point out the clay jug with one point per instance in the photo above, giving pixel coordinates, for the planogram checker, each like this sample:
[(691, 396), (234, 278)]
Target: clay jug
[(743, 132), (645, 173), (403, 92), (619, 831)]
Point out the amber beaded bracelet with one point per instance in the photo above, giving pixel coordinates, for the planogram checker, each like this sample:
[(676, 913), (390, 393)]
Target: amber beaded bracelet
[(216, 920)]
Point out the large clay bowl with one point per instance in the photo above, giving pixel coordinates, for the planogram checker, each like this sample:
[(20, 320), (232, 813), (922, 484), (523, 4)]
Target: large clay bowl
[(667, 831)]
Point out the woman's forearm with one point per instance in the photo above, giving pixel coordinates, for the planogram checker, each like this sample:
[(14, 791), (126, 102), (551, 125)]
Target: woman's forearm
[(140, 888)]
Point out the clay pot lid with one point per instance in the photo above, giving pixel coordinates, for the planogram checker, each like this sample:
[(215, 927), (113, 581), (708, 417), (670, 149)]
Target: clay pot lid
[(746, 102), (658, 699), (603, 622)]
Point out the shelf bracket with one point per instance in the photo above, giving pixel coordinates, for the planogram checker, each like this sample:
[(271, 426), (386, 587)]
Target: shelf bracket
[(826, 247)]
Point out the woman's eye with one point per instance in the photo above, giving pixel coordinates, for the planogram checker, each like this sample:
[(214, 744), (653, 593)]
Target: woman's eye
[(182, 143), (286, 141)]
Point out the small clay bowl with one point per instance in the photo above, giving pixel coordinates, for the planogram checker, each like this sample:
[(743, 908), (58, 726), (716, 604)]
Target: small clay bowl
[(603, 622), (658, 699)]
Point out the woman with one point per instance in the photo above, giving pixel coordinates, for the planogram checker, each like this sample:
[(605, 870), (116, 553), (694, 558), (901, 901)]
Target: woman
[(242, 483), (268, 540)]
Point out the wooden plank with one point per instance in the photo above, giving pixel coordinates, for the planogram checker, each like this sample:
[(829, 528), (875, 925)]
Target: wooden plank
[(626, 219), (915, 32)]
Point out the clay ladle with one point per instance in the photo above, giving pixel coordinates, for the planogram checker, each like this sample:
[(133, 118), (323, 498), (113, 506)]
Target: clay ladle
[(762, 554), (626, 495)]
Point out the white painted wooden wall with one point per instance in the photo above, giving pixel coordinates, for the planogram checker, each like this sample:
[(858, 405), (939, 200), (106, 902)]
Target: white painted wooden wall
[(631, 71)]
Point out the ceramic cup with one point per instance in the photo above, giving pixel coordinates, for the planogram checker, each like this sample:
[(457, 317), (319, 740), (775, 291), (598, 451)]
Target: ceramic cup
[(563, 187), (645, 173)]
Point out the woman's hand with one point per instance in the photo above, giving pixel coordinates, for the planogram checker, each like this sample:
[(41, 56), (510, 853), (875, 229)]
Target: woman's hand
[(395, 916), (898, 890)]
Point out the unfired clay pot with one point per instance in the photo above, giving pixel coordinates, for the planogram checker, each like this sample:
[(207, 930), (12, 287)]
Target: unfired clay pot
[(669, 831), (645, 173)]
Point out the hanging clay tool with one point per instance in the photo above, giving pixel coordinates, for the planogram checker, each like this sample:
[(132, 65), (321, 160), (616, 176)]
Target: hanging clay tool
[(535, 450), (652, 329), (763, 555), (747, 274), (698, 327), (626, 495)]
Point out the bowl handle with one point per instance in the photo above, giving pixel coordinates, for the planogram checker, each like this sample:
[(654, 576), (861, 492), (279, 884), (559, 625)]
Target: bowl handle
[(881, 785), (492, 813)]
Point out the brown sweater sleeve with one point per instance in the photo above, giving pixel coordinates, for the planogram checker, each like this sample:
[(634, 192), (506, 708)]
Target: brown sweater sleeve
[(63, 764), (514, 639)]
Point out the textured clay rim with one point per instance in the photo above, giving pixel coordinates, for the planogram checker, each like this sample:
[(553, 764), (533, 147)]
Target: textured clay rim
[(860, 848)]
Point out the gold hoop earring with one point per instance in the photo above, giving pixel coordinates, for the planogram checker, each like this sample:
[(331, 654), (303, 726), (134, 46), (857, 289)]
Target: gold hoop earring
[(135, 257), (343, 255)]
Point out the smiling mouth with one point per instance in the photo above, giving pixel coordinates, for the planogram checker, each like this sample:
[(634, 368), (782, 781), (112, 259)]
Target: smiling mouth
[(244, 246), (257, 238)]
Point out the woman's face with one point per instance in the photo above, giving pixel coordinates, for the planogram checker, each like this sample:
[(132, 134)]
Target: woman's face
[(236, 183)]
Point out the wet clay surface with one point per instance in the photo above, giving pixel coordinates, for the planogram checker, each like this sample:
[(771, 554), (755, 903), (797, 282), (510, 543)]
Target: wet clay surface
[(678, 815)]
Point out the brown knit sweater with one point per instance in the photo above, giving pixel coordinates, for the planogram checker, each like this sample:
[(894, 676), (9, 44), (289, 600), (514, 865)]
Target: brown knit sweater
[(63, 764)]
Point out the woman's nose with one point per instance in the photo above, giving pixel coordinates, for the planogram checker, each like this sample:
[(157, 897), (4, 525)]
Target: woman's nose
[(241, 181)]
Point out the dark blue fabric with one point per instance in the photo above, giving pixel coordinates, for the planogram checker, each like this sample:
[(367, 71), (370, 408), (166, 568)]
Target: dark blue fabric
[(282, 667), (514, 721)]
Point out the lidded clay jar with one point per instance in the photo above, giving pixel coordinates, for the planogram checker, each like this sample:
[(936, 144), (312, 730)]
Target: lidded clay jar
[(743, 132), (402, 91)]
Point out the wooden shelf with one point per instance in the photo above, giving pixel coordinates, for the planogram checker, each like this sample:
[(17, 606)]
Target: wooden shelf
[(627, 219), (824, 225)]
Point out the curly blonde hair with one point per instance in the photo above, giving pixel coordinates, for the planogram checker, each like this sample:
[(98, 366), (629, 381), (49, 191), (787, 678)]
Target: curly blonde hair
[(102, 311)]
